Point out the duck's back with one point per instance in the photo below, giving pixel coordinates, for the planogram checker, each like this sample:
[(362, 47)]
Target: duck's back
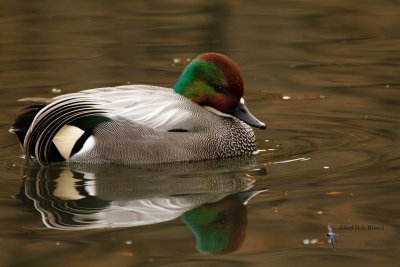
[(156, 107)]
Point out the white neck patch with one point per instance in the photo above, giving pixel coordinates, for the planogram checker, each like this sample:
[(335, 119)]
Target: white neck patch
[(217, 112)]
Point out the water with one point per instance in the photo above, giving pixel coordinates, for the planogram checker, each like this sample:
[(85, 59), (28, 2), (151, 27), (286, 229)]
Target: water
[(323, 75)]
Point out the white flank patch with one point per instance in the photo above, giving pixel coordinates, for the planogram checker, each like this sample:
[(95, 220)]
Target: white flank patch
[(242, 100), (66, 138), (66, 187), (217, 112)]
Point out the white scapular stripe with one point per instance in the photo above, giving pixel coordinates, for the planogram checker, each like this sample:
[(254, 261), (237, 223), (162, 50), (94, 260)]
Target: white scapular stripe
[(66, 138)]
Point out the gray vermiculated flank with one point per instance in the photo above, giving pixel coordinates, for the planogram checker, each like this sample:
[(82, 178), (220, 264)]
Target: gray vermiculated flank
[(125, 142)]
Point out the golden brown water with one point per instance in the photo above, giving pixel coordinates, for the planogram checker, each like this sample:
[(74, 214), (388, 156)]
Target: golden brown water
[(324, 76)]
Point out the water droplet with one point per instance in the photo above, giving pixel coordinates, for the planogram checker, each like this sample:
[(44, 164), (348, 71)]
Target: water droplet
[(306, 241), (56, 90), (128, 242), (326, 167), (285, 97), (320, 212)]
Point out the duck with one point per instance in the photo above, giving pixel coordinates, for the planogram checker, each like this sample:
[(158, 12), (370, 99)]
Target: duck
[(203, 116)]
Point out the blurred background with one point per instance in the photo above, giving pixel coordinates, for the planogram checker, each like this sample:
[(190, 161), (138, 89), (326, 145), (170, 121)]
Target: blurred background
[(324, 76)]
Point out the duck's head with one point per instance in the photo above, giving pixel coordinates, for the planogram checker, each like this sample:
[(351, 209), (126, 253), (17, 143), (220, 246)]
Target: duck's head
[(214, 81)]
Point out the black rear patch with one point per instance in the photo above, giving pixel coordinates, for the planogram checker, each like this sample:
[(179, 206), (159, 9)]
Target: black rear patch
[(89, 123), (53, 154), (23, 121), (80, 142)]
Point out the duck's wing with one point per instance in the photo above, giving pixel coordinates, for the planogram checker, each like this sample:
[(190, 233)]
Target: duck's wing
[(156, 107)]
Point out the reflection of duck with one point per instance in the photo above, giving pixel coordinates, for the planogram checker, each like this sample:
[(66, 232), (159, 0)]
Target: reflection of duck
[(203, 117), (88, 198), (220, 227), (210, 196)]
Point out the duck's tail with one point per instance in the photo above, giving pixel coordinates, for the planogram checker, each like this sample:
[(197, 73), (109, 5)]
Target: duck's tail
[(23, 121), (54, 129)]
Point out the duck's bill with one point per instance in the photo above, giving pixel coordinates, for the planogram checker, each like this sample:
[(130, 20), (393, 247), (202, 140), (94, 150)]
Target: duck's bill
[(241, 112)]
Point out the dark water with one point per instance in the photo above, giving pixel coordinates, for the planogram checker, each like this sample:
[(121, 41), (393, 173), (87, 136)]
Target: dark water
[(324, 75)]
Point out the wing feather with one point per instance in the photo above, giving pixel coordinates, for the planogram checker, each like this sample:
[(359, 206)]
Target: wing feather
[(156, 107)]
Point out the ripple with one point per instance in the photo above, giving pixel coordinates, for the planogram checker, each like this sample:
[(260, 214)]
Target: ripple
[(308, 135)]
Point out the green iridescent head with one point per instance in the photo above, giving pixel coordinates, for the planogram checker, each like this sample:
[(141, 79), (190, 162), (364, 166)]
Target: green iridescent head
[(214, 81)]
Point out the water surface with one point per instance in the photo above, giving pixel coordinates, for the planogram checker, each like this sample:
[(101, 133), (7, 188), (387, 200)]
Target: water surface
[(323, 75)]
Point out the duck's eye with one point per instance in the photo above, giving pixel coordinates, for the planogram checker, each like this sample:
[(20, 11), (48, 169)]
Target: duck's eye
[(219, 88)]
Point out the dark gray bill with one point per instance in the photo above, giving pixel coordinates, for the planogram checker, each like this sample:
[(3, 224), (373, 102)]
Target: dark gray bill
[(241, 112)]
